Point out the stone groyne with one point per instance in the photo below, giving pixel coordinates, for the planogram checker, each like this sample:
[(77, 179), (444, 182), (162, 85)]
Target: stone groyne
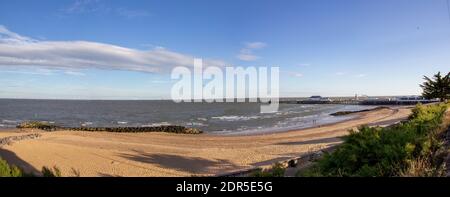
[(168, 129), (10, 139)]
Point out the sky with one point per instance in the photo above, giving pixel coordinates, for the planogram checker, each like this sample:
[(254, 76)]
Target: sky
[(99, 49)]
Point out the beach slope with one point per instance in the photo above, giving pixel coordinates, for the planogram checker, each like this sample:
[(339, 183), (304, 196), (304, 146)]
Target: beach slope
[(165, 154)]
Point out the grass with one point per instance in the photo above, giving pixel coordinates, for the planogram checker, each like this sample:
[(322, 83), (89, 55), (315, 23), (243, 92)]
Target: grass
[(411, 148), (7, 170)]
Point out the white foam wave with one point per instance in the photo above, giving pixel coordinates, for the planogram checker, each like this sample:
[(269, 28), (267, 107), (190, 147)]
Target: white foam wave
[(236, 118)]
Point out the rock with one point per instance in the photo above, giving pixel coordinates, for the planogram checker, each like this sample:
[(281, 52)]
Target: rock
[(169, 129), (11, 139), (292, 163)]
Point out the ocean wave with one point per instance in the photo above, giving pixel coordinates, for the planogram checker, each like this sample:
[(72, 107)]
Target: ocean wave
[(198, 124), (236, 118), (158, 124), (86, 124), (122, 122), (9, 121)]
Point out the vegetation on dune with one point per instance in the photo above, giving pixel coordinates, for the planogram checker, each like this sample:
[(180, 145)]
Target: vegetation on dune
[(276, 170), (411, 148), (48, 172), (7, 170), (438, 87)]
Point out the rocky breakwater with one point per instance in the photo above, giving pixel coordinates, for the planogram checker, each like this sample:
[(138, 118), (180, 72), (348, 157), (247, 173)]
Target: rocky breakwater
[(343, 113), (168, 129), (11, 139)]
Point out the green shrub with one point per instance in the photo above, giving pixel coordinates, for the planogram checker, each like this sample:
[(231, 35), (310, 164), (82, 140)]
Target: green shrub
[(277, 170), (9, 171), (48, 172), (385, 151)]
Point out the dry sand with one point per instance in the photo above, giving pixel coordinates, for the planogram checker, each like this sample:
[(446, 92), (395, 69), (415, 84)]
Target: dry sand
[(165, 154)]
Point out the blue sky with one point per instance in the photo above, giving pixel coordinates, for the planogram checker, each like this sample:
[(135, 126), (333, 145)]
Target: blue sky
[(98, 49)]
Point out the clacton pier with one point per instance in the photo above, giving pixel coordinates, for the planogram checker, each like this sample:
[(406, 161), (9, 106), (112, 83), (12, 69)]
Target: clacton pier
[(362, 100)]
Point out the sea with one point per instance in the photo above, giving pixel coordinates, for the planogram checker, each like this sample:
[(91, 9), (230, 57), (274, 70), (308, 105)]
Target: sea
[(213, 118)]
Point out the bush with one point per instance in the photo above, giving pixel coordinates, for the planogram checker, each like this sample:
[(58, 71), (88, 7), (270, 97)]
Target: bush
[(277, 170), (48, 172), (385, 151), (9, 171)]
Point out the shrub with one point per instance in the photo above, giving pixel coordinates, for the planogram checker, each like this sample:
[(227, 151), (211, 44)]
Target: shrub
[(388, 151), (9, 171), (48, 172), (277, 170)]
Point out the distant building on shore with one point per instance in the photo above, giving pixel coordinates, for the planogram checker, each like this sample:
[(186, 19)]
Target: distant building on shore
[(318, 98)]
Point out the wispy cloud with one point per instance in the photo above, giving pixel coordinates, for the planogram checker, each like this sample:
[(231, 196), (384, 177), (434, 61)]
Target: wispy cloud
[(7, 36), (255, 45), (360, 75), (303, 65), (247, 53), (100, 7), (128, 13), (340, 73), (17, 50), (85, 6), (294, 74), (45, 72), (297, 74), (74, 73), (247, 57)]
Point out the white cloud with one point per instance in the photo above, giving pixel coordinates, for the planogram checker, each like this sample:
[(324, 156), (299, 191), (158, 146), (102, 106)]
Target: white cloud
[(99, 7), (17, 50), (246, 53), (303, 65), (255, 45), (297, 74), (294, 74), (85, 6), (360, 75), (131, 13), (7, 36), (44, 72), (74, 73), (247, 57)]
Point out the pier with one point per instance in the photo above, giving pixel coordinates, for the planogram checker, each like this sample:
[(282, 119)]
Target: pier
[(357, 102)]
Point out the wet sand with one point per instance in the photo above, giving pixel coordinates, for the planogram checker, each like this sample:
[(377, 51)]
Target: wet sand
[(165, 154)]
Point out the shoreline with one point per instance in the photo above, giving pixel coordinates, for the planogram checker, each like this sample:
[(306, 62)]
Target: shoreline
[(264, 131), (167, 154)]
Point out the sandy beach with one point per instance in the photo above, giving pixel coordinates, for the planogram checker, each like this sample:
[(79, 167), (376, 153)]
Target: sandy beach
[(165, 154)]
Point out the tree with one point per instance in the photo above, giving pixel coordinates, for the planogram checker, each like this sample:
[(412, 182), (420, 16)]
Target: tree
[(438, 87)]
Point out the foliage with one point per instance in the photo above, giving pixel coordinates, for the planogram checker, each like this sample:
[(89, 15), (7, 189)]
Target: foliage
[(9, 171), (48, 172), (438, 87), (277, 170), (389, 151)]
